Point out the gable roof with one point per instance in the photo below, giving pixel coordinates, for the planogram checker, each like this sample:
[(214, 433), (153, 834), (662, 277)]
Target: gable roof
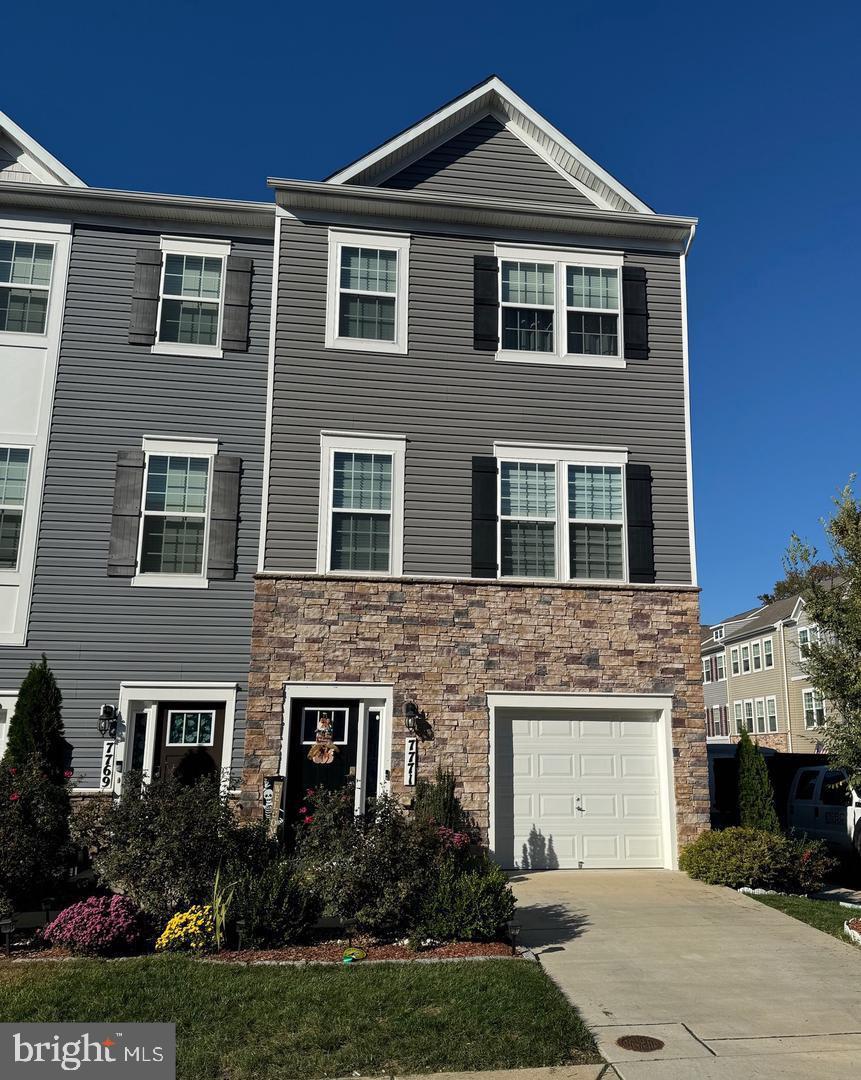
[(23, 160), (493, 97)]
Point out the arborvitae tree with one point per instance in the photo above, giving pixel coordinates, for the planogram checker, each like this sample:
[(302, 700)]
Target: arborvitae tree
[(36, 728), (755, 793)]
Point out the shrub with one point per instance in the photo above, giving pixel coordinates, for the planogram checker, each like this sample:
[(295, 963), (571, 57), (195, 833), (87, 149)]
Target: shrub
[(192, 929), (755, 793), (36, 727), (467, 905), (756, 858), (372, 871), (98, 926), (162, 843), (34, 833), (274, 907), (437, 804)]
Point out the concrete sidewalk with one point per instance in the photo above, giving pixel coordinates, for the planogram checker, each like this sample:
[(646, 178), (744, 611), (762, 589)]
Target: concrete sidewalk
[(732, 989)]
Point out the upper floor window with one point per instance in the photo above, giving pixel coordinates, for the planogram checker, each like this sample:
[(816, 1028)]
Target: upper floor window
[(560, 517), (25, 286), (191, 296), (807, 636), (361, 504), (707, 669), (768, 653), (734, 660), (745, 659), (720, 665), (717, 634), (174, 519), (814, 708), (560, 306), (368, 292), (14, 467), (756, 655)]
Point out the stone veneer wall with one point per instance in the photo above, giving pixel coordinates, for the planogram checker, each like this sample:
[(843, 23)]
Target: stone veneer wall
[(447, 644)]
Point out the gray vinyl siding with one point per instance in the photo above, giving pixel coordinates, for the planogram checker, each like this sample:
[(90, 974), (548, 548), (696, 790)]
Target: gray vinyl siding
[(452, 402), (488, 160), (98, 631)]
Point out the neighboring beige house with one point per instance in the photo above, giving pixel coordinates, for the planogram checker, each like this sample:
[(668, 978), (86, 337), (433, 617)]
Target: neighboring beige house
[(752, 678)]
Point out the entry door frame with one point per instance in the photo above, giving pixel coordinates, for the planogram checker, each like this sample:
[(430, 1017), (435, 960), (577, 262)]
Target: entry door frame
[(370, 696), (659, 704)]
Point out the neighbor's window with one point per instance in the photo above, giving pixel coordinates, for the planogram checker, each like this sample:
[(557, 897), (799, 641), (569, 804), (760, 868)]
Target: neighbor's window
[(14, 465), (190, 728), (25, 286), (717, 634), (191, 299), (768, 653), (760, 716), (734, 661), (707, 669), (528, 301), (814, 709), (756, 654), (368, 277), (592, 304), (771, 713), (173, 532), (596, 514), (745, 658), (721, 667), (527, 519), (738, 716), (807, 636), (361, 510), (748, 715)]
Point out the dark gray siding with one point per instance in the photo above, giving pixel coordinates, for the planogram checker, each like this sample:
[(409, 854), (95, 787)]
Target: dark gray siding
[(99, 631), (453, 402), (488, 160)]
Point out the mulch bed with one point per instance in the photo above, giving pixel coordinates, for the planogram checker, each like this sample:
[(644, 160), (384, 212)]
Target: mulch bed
[(855, 924), (328, 952)]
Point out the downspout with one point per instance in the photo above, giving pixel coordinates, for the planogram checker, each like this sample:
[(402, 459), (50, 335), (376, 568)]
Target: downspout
[(782, 628)]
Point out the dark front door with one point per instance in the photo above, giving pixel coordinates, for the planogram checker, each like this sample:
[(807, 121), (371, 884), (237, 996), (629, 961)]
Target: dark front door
[(308, 764), (189, 739)]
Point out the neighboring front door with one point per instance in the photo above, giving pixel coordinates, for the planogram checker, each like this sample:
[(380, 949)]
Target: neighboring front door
[(189, 739)]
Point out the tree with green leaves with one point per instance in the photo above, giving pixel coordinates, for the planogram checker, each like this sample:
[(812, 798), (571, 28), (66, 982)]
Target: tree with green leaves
[(36, 729), (793, 580), (833, 604), (755, 793)]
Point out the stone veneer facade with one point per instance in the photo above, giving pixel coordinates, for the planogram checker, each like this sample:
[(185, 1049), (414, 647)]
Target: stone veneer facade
[(446, 644)]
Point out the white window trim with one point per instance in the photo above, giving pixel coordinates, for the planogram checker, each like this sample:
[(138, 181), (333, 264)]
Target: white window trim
[(7, 571), (707, 670), (813, 695), (395, 446), (324, 707), (759, 703), (771, 699), (767, 655), (200, 712), (562, 456), (198, 245), (720, 665), (20, 337), (560, 260), (756, 653), (744, 648), (735, 661), (201, 448), (752, 718), (737, 716), (400, 244), (8, 701), (717, 634)]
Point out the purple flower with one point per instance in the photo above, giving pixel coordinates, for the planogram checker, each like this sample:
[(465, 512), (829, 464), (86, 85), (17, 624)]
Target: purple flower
[(99, 925)]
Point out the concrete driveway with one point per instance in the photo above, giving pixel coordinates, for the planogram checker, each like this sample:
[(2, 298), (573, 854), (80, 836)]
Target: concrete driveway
[(732, 988)]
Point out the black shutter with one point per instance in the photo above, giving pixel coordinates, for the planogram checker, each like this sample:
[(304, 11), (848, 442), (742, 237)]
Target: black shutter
[(484, 481), (237, 304), (145, 297), (125, 520), (486, 300), (223, 516), (635, 313), (641, 548)]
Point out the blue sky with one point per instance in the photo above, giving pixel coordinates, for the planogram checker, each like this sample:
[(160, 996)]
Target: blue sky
[(745, 115)]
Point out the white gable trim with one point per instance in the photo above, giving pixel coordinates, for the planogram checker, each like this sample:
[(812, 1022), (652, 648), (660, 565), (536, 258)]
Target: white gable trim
[(532, 128), (36, 158)]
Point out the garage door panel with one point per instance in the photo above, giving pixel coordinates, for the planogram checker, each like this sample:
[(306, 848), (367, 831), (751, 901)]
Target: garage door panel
[(608, 763)]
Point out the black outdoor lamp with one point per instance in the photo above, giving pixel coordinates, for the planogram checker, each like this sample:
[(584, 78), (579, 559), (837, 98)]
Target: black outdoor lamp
[(7, 926), (47, 904), (513, 930), (240, 927), (108, 721), (413, 715)]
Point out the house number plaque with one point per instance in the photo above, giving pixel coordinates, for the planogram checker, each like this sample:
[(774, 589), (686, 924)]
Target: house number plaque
[(411, 760), (106, 780)]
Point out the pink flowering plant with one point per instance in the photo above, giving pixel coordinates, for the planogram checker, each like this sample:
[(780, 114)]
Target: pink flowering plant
[(98, 926)]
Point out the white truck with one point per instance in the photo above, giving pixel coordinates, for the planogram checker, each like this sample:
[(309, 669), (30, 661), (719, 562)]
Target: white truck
[(823, 806)]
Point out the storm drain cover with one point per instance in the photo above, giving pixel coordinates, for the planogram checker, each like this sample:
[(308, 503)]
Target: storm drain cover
[(643, 1044)]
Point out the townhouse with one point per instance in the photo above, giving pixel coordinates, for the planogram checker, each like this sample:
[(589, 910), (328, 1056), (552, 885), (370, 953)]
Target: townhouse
[(752, 678), (430, 417)]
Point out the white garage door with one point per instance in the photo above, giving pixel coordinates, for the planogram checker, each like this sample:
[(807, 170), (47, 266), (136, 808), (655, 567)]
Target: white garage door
[(578, 790)]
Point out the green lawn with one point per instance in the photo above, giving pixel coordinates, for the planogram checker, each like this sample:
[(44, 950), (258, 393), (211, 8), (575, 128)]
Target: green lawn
[(823, 914), (244, 1023)]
